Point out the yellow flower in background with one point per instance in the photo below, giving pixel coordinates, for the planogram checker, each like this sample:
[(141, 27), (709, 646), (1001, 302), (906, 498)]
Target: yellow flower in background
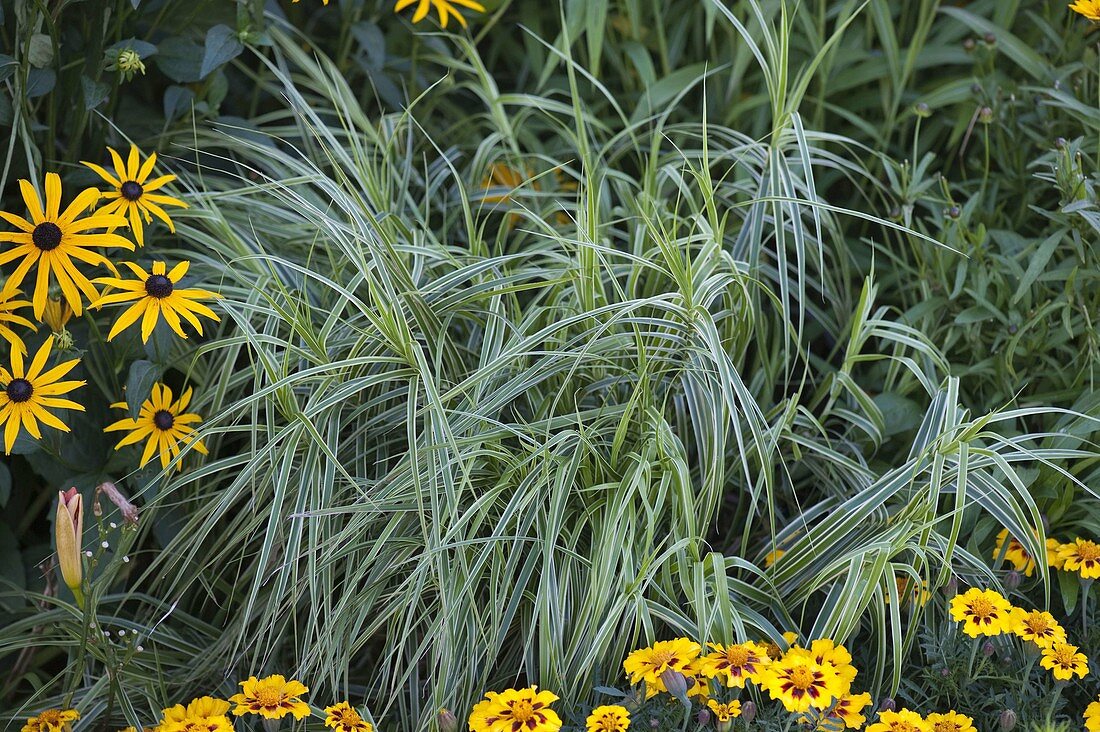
[(1064, 661), (1092, 716), (167, 426), (516, 709), (698, 683), (1054, 549), (1038, 627), (445, 8), (29, 393), (205, 714), (156, 297), (1081, 556), (500, 182), (272, 697), (343, 718), (1088, 8), (773, 556), (909, 591), (57, 314), (724, 712), (325, 1), (8, 305), (52, 239), (647, 664), (775, 651), (52, 720), (831, 655), (903, 720), (609, 718), (799, 683), (735, 664), (849, 710), (982, 612), (950, 721), (1015, 554), (132, 194)]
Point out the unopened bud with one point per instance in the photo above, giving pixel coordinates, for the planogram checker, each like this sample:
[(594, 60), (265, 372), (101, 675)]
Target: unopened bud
[(952, 587), (68, 531), (654, 723), (1012, 580), (953, 213), (748, 711), (921, 109), (989, 38), (968, 45), (1007, 720), (887, 705), (447, 720), (703, 717), (1059, 142), (944, 672), (988, 649), (675, 683), (985, 115)]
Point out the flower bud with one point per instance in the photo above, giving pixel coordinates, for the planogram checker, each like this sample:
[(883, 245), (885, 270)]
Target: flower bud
[(988, 649), (1007, 720), (989, 38), (724, 725), (654, 723), (748, 711), (985, 115), (675, 683), (68, 530), (953, 213), (129, 511), (1012, 580), (968, 45), (447, 721), (921, 109), (703, 717), (1059, 142), (888, 705), (951, 588)]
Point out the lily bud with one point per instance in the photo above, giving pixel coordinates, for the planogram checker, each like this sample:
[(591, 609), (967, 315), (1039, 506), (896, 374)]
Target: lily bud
[(68, 530), (1007, 720), (675, 683), (748, 711), (448, 722)]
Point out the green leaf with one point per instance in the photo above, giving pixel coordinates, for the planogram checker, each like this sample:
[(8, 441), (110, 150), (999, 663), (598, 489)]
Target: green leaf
[(40, 51), (40, 82), (180, 60), (95, 92), (177, 101), (139, 383), (5, 485), (1038, 263), (8, 65), (222, 46)]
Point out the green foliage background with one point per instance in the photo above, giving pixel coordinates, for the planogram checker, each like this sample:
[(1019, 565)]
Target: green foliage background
[(749, 295)]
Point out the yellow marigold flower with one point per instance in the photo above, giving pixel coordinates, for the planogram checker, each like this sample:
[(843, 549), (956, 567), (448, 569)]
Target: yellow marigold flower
[(272, 697), (950, 721), (698, 683), (1015, 554), (52, 720), (982, 612), (903, 720), (775, 651), (799, 683), (917, 593), (849, 710), (500, 182), (156, 296), (343, 718), (52, 239), (773, 556), (735, 664), (1054, 550), (825, 652), (28, 394), (166, 426), (132, 194), (515, 709), (1088, 8), (647, 664), (1081, 556), (56, 314), (445, 8), (204, 714), (1038, 627), (1092, 716), (8, 306), (724, 712), (609, 718), (1064, 661)]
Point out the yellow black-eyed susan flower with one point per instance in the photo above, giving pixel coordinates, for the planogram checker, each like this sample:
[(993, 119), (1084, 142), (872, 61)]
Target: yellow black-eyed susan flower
[(52, 239), (29, 393), (1088, 8), (445, 8), (156, 296), (163, 422), (52, 720), (342, 717), (205, 714), (132, 193), (516, 709), (272, 697), (8, 305)]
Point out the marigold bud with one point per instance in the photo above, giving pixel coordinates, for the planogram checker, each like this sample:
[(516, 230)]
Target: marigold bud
[(1007, 720), (921, 109), (1012, 580), (68, 530), (675, 683), (985, 115), (703, 717), (748, 711), (448, 722), (988, 649), (887, 705)]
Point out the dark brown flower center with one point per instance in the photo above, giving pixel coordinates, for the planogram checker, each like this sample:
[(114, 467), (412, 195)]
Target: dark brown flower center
[(46, 236), (163, 419), (19, 390), (131, 190), (158, 286)]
